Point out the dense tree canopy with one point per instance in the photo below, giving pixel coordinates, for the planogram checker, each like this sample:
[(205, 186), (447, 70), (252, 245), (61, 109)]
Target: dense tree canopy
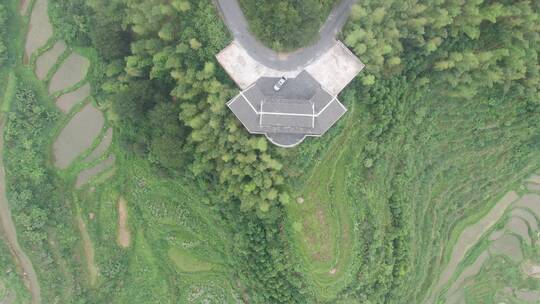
[(168, 102), (381, 32), (184, 64), (286, 24), (447, 83)]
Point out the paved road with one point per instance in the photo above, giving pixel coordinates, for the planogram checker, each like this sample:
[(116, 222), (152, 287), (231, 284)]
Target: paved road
[(237, 24), (8, 229)]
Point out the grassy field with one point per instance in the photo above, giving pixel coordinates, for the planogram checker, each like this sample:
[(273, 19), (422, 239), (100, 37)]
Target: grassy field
[(177, 245), (431, 160), (10, 281), (322, 220)]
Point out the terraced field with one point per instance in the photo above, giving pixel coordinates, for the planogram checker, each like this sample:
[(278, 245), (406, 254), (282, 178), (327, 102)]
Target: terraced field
[(503, 262), (177, 249), (322, 219), (156, 238), (405, 200), (64, 72), (395, 207)]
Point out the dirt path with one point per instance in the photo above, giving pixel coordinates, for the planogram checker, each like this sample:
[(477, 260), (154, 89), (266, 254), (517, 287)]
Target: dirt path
[(124, 235), (88, 250), (8, 228)]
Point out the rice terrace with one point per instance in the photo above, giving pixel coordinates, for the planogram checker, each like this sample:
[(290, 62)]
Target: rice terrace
[(287, 151)]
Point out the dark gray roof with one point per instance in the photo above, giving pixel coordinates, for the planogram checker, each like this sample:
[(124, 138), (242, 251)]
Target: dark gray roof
[(285, 122), (303, 86), (301, 108), (287, 107)]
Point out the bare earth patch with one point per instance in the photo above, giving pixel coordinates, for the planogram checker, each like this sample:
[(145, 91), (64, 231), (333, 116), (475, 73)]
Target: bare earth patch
[(77, 135), (102, 147), (124, 235), (528, 217), (495, 235), (531, 269), (46, 61), (530, 296), (457, 297), (39, 28), (87, 174), (531, 201), (508, 245), (66, 102), (72, 71), (535, 178), (88, 251), (469, 237), (23, 7), (518, 226), (533, 187), (470, 271)]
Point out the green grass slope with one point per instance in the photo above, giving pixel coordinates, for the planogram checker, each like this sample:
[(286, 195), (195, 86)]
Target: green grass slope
[(384, 202)]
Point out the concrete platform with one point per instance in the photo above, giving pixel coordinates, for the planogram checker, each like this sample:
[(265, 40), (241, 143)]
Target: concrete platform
[(244, 69), (333, 69)]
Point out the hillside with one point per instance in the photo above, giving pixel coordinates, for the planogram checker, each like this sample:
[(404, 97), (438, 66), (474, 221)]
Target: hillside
[(130, 181)]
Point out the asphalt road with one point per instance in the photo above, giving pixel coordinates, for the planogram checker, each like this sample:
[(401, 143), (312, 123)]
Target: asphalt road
[(238, 26)]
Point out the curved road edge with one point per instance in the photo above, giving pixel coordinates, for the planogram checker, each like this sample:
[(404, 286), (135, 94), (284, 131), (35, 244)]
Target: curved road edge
[(235, 20), (10, 233)]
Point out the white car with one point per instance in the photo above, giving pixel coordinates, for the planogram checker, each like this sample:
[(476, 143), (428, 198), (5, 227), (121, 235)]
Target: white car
[(280, 83)]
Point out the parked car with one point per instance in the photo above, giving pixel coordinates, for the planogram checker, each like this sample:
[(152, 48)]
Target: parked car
[(280, 83)]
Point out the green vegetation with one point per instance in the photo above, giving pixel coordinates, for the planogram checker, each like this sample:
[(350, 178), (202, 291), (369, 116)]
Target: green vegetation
[(457, 37), (322, 221), (499, 277), (36, 199), (10, 281), (428, 155), (442, 123), (424, 158), (286, 24), (3, 35), (171, 226)]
